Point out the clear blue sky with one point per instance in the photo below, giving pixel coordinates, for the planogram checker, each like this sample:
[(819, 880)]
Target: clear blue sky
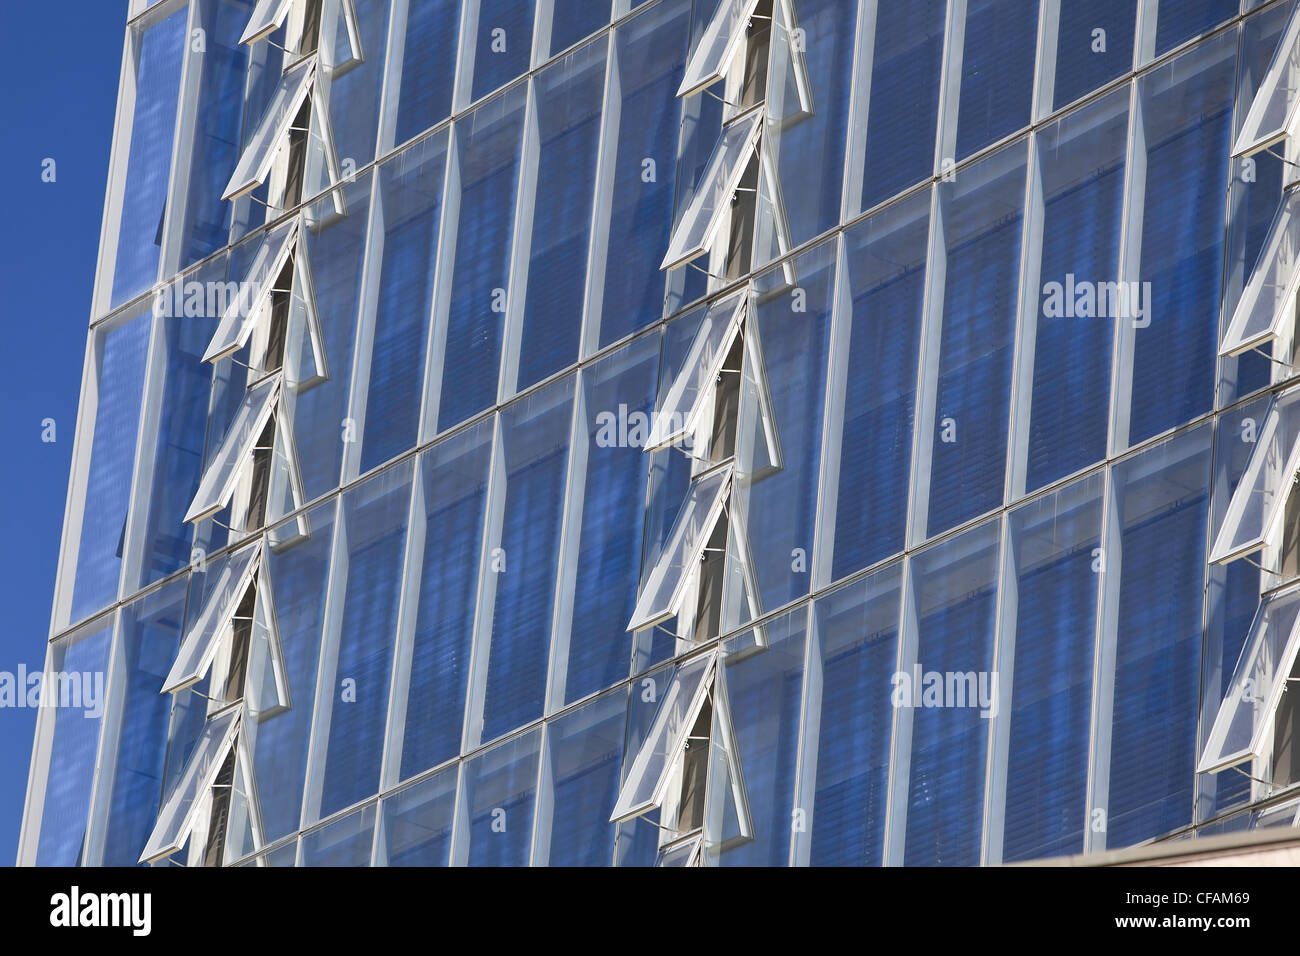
[(58, 90)]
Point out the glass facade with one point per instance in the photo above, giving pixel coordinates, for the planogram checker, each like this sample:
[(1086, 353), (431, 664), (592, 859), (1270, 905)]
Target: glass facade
[(684, 432)]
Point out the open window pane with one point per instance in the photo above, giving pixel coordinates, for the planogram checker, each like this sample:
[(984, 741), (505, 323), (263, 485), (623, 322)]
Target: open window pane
[(718, 46), (713, 197), (678, 414), (686, 542), (178, 814), (1274, 105), (1257, 684), (197, 650), (644, 786), (236, 449), (1260, 498), (243, 308), (1265, 303), (268, 16), (684, 854), (255, 163)]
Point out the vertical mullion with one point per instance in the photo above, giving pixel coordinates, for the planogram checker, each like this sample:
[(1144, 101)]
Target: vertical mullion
[(928, 370), (462, 87), (485, 599), (543, 801), (900, 762), (808, 740), (407, 608), (391, 82), (833, 422), (371, 272), (1135, 175), (570, 543), (444, 267), (101, 787), (602, 206), (855, 152), (521, 239), (999, 742), (327, 666), (182, 150), (950, 86), (1026, 335), (115, 191), (1103, 672), (1049, 28)]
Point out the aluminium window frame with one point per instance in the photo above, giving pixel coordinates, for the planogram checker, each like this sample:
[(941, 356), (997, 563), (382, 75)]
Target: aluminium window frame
[(173, 825), (1229, 544), (721, 178), (272, 130), (713, 57), (1244, 688), (1245, 331), (1252, 138), (234, 454)]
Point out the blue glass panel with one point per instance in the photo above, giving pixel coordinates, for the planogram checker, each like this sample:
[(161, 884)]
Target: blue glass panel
[(857, 633), (651, 57), (907, 56), (345, 842), (455, 477), (161, 48), (811, 150), (503, 43), (765, 691), (982, 219), (1181, 20), (120, 360), (1086, 60), (781, 506), (586, 753), (535, 434), (1058, 573), (418, 821), (488, 144), (1162, 494), (1082, 162), (428, 66), (375, 519), (72, 749), (411, 189), (216, 138), (182, 425), (1188, 110), (886, 260), (335, 252), (568, 98), (499, 791), (997, 71), (354, 96), (299, 581), (574, 19), (619, 393), (152, 629), (956, 598)]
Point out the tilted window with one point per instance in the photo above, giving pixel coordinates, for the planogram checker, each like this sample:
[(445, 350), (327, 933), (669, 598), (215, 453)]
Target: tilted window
[(1270, 294), (1247, 712), (183, 807), (1273, 112), (236, 450), (1257, 507)]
